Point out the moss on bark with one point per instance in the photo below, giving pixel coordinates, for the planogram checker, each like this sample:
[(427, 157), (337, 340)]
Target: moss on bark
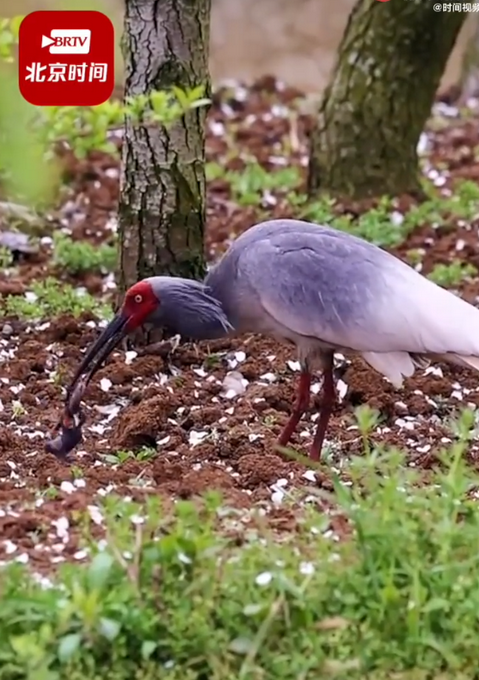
[(389, 66)]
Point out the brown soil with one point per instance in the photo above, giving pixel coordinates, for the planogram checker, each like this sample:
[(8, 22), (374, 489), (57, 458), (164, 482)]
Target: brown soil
[(202, 440)]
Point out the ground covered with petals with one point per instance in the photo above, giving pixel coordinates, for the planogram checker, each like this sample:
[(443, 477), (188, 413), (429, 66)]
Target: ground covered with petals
[(205, 420)]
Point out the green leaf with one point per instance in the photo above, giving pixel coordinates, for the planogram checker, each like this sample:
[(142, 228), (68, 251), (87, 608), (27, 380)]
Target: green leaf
[(241, 645), (99, 570), (109, 628), (15, 24), (69, 645), (147, 648), (110, 458), (199, 103), (252, 609)]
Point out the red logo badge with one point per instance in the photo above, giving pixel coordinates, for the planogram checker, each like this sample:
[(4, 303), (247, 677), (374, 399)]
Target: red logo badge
[(66, 58)]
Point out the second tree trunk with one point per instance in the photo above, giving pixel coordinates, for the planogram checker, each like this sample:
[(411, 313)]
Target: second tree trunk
[(389, 66)]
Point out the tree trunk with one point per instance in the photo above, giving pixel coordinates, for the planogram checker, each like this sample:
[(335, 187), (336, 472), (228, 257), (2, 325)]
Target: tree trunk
[(469, 82), (162, 189), (390, 62)]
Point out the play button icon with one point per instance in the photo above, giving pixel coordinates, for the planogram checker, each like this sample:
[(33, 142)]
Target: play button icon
[(46, 41)]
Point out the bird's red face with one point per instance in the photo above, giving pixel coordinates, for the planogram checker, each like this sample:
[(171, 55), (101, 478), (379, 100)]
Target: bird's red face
[(140, 301)]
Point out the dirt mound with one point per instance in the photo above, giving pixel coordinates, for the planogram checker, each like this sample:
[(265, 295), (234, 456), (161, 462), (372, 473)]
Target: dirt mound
[(143, 424)]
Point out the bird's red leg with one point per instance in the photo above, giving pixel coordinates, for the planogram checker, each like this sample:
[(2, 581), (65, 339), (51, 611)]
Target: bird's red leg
[(327, 407), (302, 403)]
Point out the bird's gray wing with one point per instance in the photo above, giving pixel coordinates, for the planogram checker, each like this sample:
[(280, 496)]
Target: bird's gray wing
[(354, 295)]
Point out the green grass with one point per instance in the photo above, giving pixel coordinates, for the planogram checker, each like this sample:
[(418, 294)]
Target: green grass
[(376, 224), (77, 257), (123, 456), (247, 186), (174, 597), (6, 258), (452, 274), (52, 299)]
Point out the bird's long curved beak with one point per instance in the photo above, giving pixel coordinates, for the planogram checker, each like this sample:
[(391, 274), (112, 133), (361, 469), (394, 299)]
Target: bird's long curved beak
[(101, 348)]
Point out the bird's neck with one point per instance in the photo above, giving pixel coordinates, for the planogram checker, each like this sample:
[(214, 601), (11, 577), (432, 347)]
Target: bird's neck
[(221, 283), (192, 309), (217, 285)]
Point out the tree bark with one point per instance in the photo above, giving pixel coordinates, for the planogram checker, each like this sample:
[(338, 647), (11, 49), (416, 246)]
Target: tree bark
[(469, 82), (390, 62), (162, 188)]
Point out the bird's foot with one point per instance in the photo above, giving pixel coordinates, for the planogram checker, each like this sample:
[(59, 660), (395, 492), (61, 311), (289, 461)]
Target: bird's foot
[(164, 348)]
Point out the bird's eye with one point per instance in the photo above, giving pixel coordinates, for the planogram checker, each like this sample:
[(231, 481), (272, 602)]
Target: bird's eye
[(138, 299)]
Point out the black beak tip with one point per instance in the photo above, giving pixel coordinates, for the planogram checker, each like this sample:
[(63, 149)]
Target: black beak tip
[(70, 436), (70, 427)]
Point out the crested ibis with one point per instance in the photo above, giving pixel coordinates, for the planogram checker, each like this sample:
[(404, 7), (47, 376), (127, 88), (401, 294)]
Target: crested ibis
[(319, 289)]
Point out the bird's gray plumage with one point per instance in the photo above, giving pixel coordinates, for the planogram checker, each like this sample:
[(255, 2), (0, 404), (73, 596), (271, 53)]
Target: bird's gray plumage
[(189, 308), (325, 289), (322, 290)]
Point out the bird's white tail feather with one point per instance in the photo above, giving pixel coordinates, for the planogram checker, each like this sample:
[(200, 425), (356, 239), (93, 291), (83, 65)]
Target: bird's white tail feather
[(471, 362), (394, 365), (427, 318)]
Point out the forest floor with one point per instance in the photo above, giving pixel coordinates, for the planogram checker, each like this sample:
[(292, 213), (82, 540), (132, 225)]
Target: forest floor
[(171, 427)]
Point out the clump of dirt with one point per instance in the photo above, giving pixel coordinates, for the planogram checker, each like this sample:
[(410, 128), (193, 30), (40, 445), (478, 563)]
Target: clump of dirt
[(365, 386), (9, 441), (195, 481), (142, 424), (265, 469)]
